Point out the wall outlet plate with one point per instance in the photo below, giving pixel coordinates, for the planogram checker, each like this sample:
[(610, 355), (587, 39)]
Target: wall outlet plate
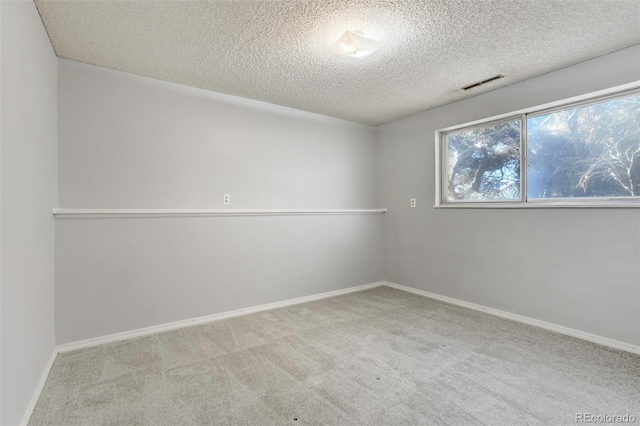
[(413, 203), (226, 199)]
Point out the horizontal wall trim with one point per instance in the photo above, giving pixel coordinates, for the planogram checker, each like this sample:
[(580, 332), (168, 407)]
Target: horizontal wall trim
[(209, 318), (124, 213), (604, 341)]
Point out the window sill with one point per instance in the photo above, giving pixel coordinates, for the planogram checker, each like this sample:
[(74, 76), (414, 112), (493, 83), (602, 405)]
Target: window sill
[(543, 205)]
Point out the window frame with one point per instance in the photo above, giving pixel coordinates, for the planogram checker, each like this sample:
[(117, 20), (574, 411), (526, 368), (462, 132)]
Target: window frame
[(441, 156)]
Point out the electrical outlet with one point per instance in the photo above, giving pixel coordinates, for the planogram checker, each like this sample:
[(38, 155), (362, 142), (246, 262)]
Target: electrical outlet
[(413, 203), (226, 199)]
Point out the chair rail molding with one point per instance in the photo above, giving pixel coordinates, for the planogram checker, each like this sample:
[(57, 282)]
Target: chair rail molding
[(63, 213)]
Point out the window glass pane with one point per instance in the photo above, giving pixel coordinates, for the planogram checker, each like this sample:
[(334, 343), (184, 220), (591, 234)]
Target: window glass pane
[(484, 163), (589, 151)]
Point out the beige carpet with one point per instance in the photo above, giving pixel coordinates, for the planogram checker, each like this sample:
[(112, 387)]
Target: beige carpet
[(381, 356)]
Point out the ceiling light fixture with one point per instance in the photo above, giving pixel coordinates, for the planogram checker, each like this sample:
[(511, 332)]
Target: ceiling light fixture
[(355, 44)]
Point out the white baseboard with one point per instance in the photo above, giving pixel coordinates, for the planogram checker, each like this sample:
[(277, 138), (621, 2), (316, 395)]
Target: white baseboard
[(172, 326), (604, 341), (216, 317), (38, 391), (209, 318)]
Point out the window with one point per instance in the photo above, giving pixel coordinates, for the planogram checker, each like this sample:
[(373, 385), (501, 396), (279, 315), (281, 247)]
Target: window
[(483, 163), (583, 152)]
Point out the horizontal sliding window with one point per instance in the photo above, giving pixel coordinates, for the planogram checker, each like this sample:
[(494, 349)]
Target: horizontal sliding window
[(580, 152), (483, 163), (588, 151)]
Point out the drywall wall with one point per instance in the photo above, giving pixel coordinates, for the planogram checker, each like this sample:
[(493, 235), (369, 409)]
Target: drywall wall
[(132, 142), (579, 268), (28, 192)]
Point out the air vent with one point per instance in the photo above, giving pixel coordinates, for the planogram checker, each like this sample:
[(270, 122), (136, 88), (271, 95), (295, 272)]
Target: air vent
[(489, 80)]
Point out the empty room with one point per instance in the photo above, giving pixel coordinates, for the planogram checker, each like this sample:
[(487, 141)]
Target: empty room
[(319, 212)]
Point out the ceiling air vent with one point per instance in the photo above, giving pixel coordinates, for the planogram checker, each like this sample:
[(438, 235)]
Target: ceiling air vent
[(480, 83)]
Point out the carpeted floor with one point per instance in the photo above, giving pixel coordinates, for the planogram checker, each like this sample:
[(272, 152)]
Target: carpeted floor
[(381, 356)]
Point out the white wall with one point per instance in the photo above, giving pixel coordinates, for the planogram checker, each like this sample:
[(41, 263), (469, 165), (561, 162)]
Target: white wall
[(579, 268), (132, 142), (129, 141), (28, 192)]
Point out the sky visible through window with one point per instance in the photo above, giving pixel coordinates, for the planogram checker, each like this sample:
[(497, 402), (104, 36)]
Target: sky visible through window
[(589, 151), (586, 151)]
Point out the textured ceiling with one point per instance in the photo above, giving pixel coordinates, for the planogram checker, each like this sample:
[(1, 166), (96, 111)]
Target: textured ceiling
[(280, 51)]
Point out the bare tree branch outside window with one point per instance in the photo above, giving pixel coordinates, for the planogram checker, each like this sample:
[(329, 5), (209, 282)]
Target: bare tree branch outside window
[(586, 151), (590, 151)]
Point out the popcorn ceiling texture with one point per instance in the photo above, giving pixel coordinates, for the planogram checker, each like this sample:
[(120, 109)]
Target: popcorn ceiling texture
[(279, 51)]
